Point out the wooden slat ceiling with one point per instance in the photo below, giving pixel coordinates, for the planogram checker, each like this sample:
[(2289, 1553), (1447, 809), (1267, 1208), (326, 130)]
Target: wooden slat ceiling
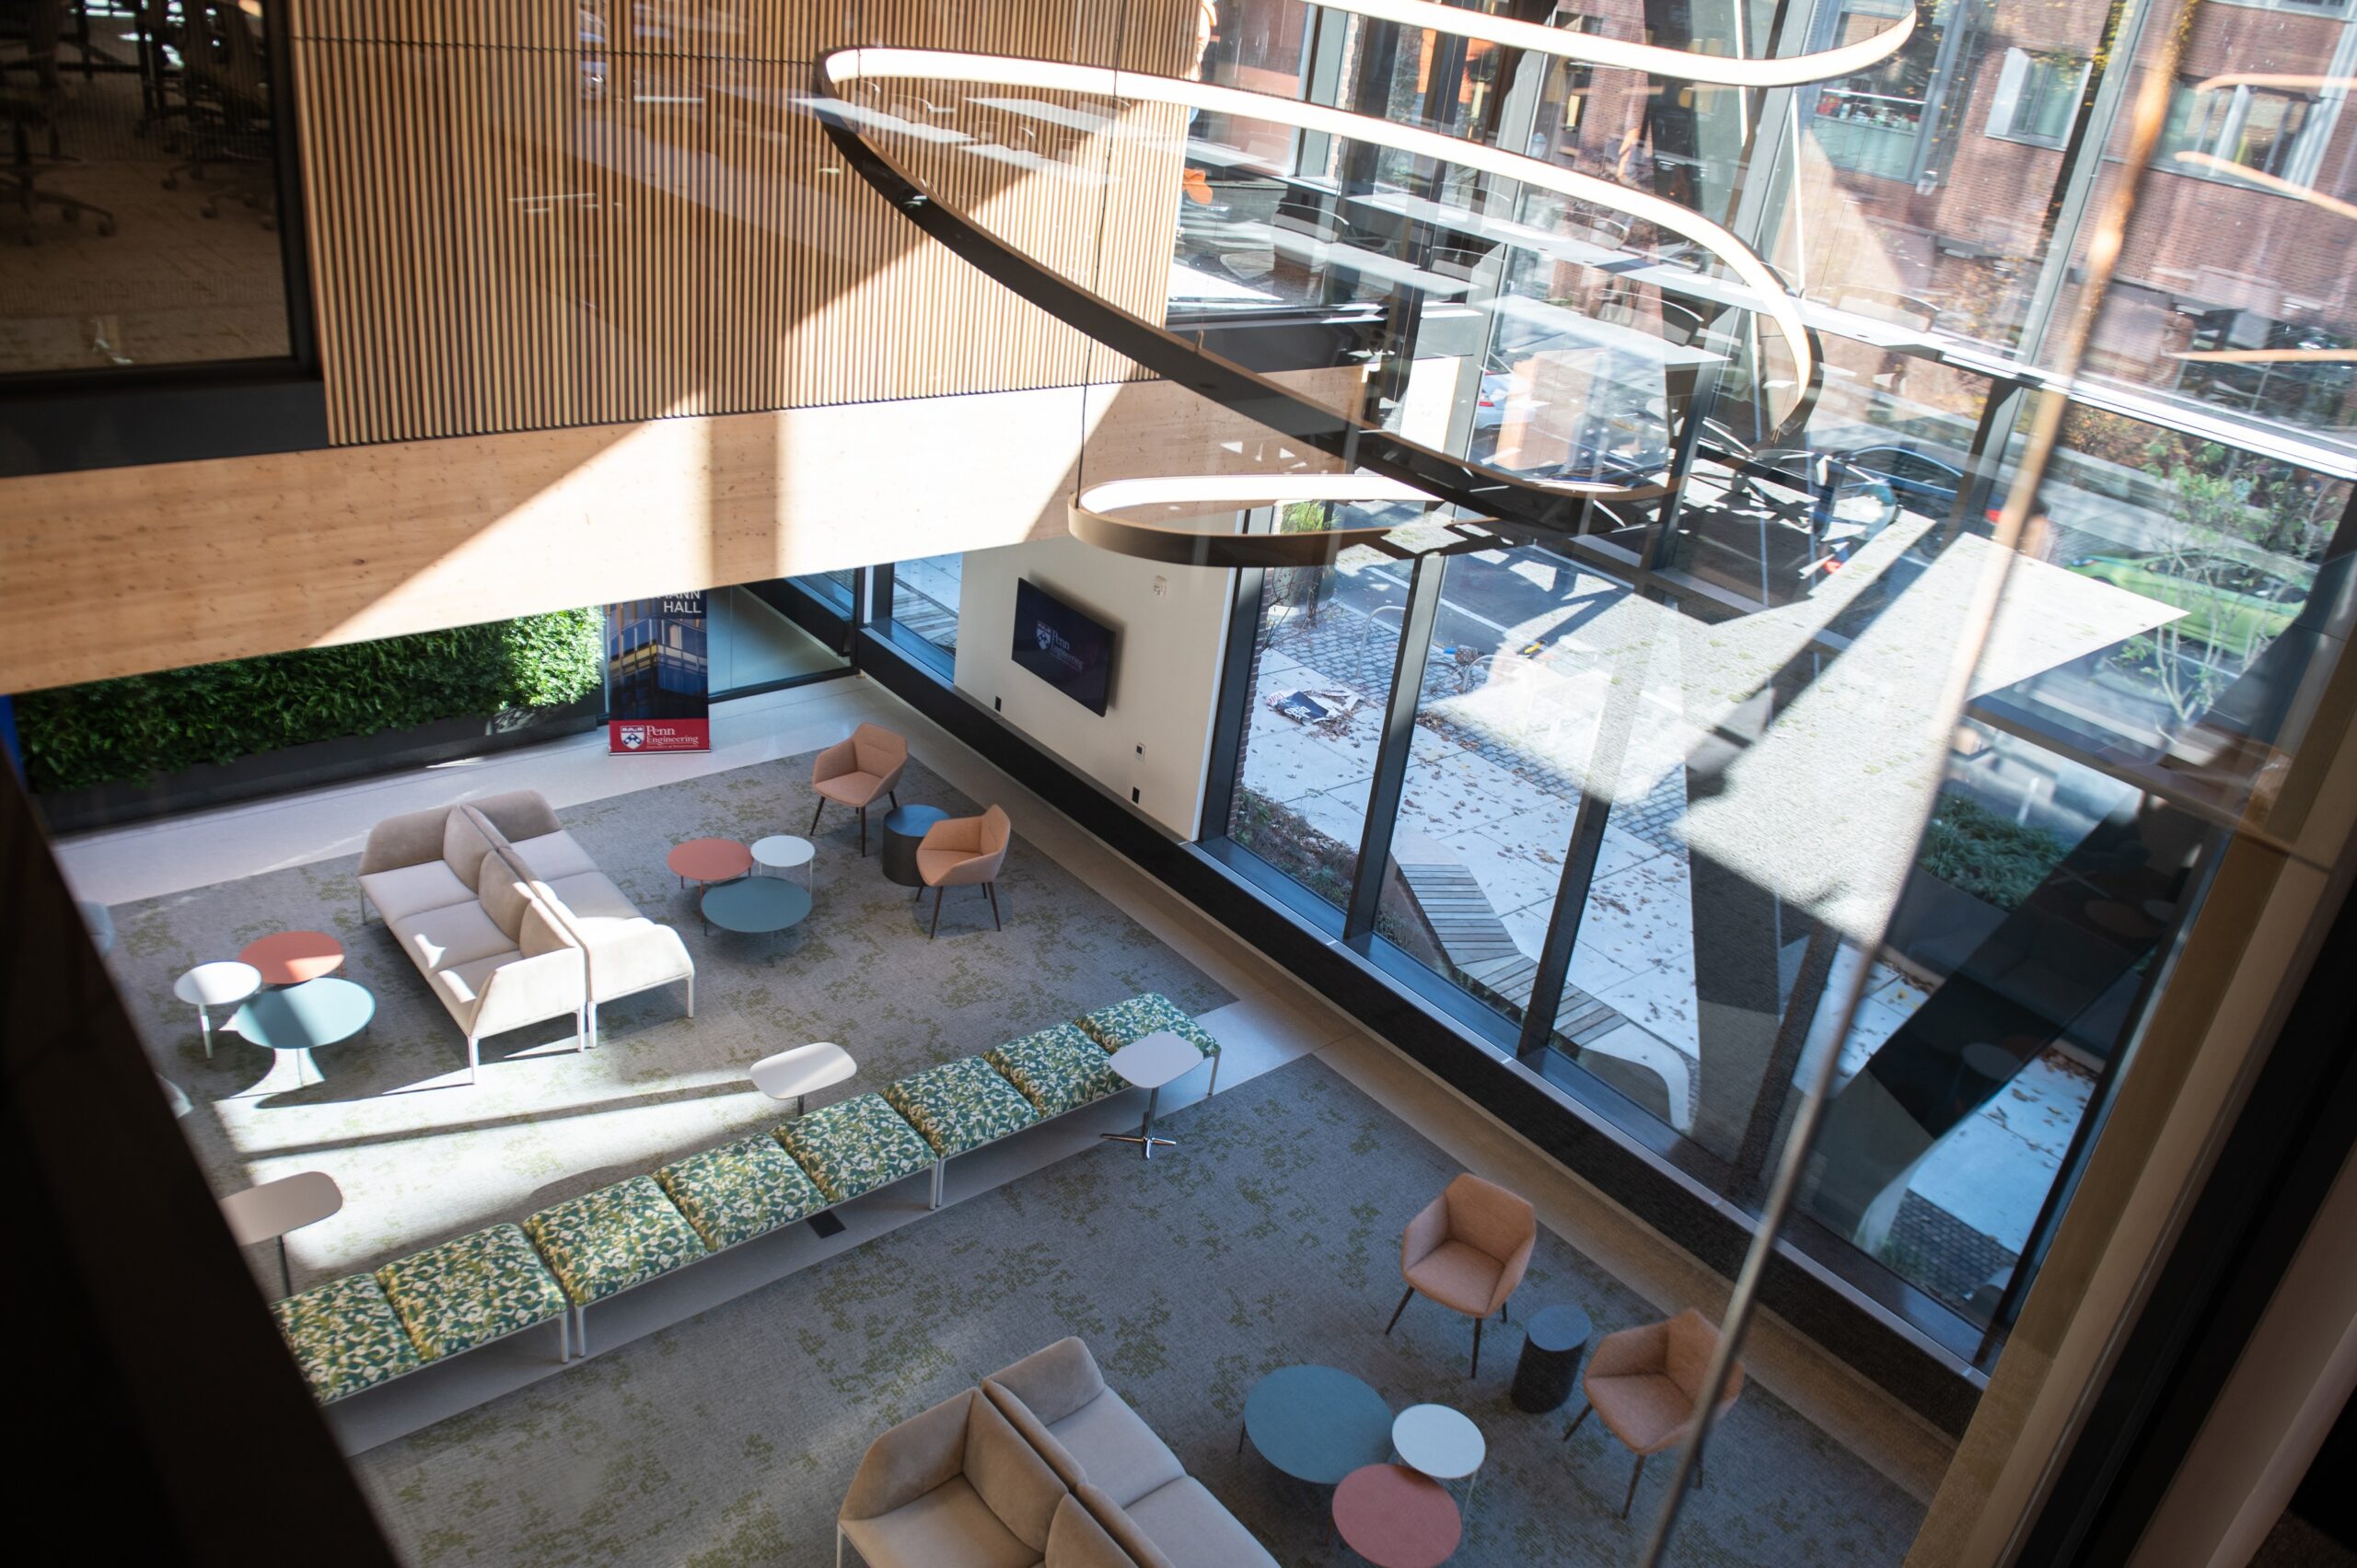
[(525, 215)]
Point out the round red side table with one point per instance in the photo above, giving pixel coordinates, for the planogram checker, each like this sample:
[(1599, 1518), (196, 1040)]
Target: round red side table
[(292, 957), (1394, 1518), (709, 860)]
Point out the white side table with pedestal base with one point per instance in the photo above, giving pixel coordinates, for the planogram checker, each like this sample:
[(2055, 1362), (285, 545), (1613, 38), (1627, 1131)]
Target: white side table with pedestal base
[(210, 986), (1439, 1442), (795, 1075), (1159, 1059)]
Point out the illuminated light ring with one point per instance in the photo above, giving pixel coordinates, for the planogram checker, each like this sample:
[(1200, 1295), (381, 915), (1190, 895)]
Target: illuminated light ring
[(1535, 509), (1092, 522), (1678, 65)]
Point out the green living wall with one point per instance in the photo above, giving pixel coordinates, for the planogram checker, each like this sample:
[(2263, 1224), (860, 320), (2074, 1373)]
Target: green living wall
[(132, 729)]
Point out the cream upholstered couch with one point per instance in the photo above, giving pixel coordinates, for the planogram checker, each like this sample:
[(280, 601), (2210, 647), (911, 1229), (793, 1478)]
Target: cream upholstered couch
[(479, 893), (994, 1477)]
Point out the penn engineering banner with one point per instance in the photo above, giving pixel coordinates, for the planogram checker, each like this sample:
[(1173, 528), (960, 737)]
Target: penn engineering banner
[(658, 684)]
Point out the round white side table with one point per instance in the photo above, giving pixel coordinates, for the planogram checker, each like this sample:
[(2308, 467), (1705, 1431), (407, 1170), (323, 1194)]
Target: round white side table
[(1444, 1443), (1150, 1063), (796, 1075), (208, 986), (784, 851)]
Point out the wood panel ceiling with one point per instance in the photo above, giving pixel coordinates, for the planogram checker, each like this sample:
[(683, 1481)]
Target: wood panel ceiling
[(543, 213)]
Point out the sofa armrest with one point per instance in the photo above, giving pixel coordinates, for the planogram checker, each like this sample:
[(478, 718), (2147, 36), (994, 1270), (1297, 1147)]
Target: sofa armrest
[(1053, 1382), (910, 1460), (527, 991), (519, 813), (410, 838)]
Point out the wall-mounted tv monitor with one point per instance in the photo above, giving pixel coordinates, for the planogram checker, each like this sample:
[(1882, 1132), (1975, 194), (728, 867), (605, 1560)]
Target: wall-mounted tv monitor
[(1069, 651)]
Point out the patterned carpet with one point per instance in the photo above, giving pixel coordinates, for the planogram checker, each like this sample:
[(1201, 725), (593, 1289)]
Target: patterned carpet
[(422, 1157), (1270, 1237)]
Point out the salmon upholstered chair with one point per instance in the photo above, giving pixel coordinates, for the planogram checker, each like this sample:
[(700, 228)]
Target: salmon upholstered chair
[(964, 851), (853, 773), (1642, 1384), (1467, 1251)]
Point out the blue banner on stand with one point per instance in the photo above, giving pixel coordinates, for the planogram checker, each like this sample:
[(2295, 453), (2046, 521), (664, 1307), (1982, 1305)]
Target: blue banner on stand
[(658, 694)]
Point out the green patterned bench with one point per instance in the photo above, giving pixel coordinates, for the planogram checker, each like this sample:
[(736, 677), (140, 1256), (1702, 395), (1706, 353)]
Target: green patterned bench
[(856, 1145), (472, 1291), (1058, 1069), (346, 1337), (1126, 1023), (602, 1243), (959, 1106), (740, 1190)]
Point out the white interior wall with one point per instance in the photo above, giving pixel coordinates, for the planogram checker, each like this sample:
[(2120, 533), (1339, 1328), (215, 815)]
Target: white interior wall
[(1169, 624)]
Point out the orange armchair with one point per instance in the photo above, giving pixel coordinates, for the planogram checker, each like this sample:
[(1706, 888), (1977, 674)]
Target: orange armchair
[(964, 851), (1642, 1384), (1467, 1251), (853, 773)]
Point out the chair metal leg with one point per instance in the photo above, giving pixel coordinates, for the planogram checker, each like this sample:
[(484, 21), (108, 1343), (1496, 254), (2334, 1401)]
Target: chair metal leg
[(1476, 1371), (474, 1060), (938, 1167), (1631, 1498), (863, 832), (815, 815), (581, 1330), (991, 889), (1576, 1422), (1503, 1308), (563, 1336), (1397, 1310), (896, 798), (1214, 1089), (838, 1546), (937, 911)]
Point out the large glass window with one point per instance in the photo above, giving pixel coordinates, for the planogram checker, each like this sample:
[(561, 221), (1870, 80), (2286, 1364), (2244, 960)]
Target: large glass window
[(1324, 647), (924, 598), (139, 217)]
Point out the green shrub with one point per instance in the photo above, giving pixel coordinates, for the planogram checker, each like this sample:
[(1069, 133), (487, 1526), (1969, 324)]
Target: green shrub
[(132, 729), (1975, 851)]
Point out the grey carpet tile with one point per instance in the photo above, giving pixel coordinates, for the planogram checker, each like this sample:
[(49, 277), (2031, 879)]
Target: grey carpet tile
[(1269, 1237), (422, 1157)]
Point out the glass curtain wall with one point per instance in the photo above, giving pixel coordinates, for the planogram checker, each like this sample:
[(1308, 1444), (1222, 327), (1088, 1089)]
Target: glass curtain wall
[(924, 598), (1647, 824)]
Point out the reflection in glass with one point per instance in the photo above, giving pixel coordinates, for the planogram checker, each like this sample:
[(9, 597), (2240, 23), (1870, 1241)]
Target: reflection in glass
[(138, 214), (2237, 250)]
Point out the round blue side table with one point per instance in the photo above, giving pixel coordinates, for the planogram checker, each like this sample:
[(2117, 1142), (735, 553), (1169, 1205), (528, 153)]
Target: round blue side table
[(300, 1018), (756, 904), (1317, 1423)]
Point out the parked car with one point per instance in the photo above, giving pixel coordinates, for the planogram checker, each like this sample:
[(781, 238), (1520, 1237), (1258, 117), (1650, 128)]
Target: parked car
[(2234, 606), (1925, 483), (1861, 489)]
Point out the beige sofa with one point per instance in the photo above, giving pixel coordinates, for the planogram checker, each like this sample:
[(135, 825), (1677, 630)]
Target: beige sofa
[(992, 1478), (485, 895)]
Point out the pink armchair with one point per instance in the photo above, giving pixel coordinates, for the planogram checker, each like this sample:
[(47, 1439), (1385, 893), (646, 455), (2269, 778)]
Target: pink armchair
[(1642, 1384), (1468, 1250), (853, 773), (964, 851)]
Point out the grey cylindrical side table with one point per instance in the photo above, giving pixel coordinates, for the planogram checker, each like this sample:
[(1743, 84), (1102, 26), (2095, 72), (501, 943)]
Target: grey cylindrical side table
[(1552, 1349), (904, 829)]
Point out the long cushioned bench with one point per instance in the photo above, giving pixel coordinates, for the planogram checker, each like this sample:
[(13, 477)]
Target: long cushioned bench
[(361, 1330)]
